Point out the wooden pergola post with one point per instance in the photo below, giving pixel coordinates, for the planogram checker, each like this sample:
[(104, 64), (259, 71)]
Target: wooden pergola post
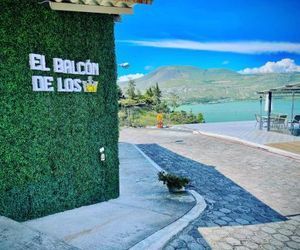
[(269, 110), (292, 112), (261, 113)]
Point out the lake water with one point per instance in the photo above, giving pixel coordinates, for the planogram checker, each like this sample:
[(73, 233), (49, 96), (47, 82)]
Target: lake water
[(240, 110)]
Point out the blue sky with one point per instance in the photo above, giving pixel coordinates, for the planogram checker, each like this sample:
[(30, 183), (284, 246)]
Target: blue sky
[(232, 34)]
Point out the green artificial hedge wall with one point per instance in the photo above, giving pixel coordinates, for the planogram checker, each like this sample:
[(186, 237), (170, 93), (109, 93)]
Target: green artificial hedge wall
[(49, 142)]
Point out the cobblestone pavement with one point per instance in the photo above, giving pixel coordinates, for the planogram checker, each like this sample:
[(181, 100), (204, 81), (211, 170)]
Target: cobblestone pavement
[(228, 203), (231, 208), (280, 235), (272, 178), (245, 130)]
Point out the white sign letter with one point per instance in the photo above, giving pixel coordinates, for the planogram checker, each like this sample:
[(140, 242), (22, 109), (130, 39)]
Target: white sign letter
[(48, 83), (37, 83), (34, 61), (68, 67), (58, 65), (77, 86), (37, 62)]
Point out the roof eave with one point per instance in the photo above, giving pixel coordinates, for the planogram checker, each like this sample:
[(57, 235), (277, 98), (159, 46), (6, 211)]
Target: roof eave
[(90, 8), (113, 7), (287, 89)]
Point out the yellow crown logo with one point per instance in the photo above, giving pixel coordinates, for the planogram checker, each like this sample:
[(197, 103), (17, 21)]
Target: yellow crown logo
[(90, 86)]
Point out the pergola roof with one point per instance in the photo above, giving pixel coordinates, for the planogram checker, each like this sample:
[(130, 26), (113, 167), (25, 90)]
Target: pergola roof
[(115, 7), (287, 89)]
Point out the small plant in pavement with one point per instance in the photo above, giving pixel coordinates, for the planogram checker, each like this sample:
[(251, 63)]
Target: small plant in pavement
[(173, 181)]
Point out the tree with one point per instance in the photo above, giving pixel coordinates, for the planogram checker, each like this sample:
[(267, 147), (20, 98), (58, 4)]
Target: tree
[(149, 96), (139, 95), (120, 93), (131, 89), (200, 118), (162, 107), (174, 101), (157, 94), (149, 92)]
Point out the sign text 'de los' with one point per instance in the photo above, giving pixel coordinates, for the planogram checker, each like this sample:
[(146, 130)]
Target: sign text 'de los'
[(63, 66)]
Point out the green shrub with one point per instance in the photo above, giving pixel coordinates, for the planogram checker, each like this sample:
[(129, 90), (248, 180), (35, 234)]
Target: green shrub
[(137, 117), (49, 142), (200, 118), (145, 118), (182, 117), (173, 181)]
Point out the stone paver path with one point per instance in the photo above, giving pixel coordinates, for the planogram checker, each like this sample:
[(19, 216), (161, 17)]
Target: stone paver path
[(245, 130), (247, 190), (279, 235), (272, 178), (228, 203)]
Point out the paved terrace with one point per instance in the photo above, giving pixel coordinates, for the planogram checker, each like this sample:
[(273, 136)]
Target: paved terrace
[(252, 195), (244, 130)]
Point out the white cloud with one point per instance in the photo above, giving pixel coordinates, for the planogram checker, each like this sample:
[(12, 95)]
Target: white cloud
[(243, 47), (283, 66), (126, 78)]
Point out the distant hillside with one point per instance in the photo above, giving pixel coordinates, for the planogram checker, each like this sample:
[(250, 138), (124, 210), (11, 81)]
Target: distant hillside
[(202, 85)]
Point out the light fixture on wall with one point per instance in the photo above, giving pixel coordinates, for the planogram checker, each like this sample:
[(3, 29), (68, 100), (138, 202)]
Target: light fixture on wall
[(124, 65)]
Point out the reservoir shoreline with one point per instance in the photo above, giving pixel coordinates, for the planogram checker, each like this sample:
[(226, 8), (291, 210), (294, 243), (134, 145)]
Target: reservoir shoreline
[(244, 110)]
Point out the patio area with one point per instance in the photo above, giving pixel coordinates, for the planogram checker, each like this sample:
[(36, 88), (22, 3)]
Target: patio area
[(243, 130), (280, 122), (241, 185)]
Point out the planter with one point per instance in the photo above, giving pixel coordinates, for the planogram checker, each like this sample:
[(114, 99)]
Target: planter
[(176, 190), (175, 184), (160, 125)]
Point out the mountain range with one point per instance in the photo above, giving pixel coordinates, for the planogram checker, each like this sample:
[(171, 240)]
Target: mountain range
[(210, 85)]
